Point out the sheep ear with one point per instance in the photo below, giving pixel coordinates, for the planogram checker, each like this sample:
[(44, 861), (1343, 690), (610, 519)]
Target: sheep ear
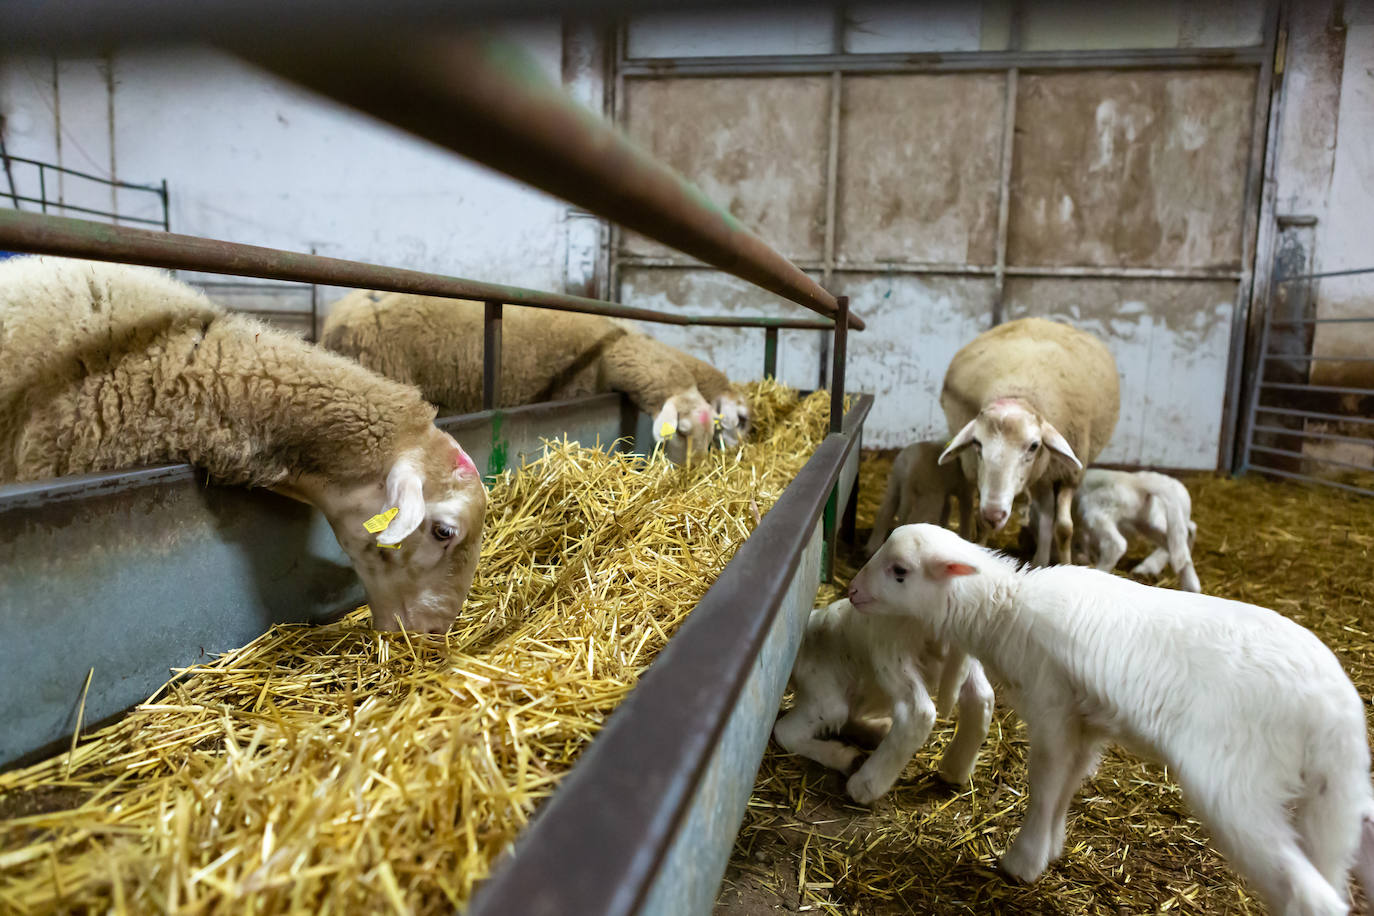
[(942, 569), (405, 492), (665, 424), (462, 464), (1059, 445), (960, 442)]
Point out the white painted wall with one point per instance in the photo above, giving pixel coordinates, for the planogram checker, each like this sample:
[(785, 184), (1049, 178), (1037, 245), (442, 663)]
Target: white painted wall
[(249, 158)]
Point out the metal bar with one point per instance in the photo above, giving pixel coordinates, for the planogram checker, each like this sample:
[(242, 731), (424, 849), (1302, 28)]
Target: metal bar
[(941, 61), (1292, 454), (1313, 415), (843, 265), (1323, 359), (166, 208), (1301, 322), (585, 855), (1004, 194), (42, 188), (770, 353), (1126, 273), (1309, 434), (113, 182), (759, 321), (1262, 469), (1248, 441), (1324, 389), (88, 210), (6, 159), (488, 100), (1329, 273), (491, 356), (20, 231), (838, 365)]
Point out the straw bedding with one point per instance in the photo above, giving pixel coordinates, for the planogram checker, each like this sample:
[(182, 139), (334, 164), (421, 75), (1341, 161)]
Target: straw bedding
[(334, 769), (1132, 846)]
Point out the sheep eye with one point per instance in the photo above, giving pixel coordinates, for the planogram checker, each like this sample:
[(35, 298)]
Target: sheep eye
[(442, 532), (1033, 447), (900, 572), (978, 445)]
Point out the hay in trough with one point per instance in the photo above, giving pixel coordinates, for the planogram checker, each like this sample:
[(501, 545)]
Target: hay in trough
[(1133, 847), (335, 769)]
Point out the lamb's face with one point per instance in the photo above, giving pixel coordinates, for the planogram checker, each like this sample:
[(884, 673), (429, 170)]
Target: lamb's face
[(910, 574), (1010, 446), (685, 424), (735, 419), (420, 583)]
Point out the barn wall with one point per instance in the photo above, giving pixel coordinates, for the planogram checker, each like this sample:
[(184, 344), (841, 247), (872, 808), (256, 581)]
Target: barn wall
[(250, 158)]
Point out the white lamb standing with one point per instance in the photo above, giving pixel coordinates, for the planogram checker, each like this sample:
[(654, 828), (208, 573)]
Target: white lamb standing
[(1110, 507), (856, 669), (1251, 713), (919, 489), (1029, 403), (436, 344), (108, 366)]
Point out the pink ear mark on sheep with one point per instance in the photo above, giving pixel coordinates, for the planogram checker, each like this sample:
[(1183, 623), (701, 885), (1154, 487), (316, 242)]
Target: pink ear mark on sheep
[(462, 464), (942, 570)]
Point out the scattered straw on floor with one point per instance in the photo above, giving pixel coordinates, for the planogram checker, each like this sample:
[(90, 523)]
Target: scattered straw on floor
[(337, 770), (1132, 846)]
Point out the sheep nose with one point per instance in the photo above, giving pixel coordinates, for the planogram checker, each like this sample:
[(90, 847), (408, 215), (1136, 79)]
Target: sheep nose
[(994, 516)]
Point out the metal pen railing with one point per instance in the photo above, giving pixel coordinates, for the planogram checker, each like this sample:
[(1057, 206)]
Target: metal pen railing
[(47, 204), (1279, 439)]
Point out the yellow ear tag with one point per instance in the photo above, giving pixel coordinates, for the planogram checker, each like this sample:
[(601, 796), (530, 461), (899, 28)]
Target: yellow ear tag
[(667, 430), (378, 522), (390, 546), (717, 422)]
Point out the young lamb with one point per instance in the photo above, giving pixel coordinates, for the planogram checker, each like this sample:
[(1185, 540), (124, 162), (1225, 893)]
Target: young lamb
[(1112, 506), (109, 366), (436, 345), (919, 489), (1251, 713), (854, 668), (1011, 390)]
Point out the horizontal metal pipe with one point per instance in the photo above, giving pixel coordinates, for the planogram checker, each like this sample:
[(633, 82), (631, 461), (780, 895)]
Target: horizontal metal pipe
[(1125, 273), (1292, 454), (20, 198), (1312, 415), (1306, 478), (58, 235), (1313, 358), (1298, 322), (1323, 389), (488, 100), (1309, 434), (957, 269), (940, 61), (1329, 273), (156, 189)]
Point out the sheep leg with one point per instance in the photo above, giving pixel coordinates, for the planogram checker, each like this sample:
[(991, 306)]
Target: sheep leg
[(797, 732), (1154, 564), (1063, 523), (882, 520), (1110, 543), (1056, 749), (1044, 516), (975, 716), (1085, 762), (912, 718)]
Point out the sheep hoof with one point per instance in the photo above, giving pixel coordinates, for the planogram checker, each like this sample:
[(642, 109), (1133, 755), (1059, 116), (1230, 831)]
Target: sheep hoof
[(1018, 865), (862, 789)]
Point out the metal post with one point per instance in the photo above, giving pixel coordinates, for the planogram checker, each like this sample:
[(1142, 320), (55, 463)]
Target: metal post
[(166, 208), (770, 352), (42, 187), (491, 356), (837, 357), (1257, 383)]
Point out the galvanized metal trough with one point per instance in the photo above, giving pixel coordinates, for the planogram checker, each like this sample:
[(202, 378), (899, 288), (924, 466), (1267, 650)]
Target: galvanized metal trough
[(131, 574)]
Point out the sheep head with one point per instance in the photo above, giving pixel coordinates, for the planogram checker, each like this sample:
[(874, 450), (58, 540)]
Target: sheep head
[(735, 419), (1007, 447), (413, 535), (684, 425), (911, 574)]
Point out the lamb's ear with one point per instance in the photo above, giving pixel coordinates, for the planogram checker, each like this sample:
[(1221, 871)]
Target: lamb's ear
[(462, 464), (960, 442), (1059, 445), (665, 424), (405, 491), (942, 569)]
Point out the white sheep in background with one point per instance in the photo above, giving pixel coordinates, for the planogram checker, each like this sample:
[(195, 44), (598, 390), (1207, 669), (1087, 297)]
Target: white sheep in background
[(1250, 712), (1029, 403), (1112, 506), (436, 344), (108, 366), (854, 668), (919, 489)]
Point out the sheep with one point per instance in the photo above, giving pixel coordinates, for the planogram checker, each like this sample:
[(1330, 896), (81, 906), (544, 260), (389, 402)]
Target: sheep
[(109, 366), (436, 345), (1249, 711), (855, 667), (727, 400), (919, 489), (1111, 506), (1019, 386)]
